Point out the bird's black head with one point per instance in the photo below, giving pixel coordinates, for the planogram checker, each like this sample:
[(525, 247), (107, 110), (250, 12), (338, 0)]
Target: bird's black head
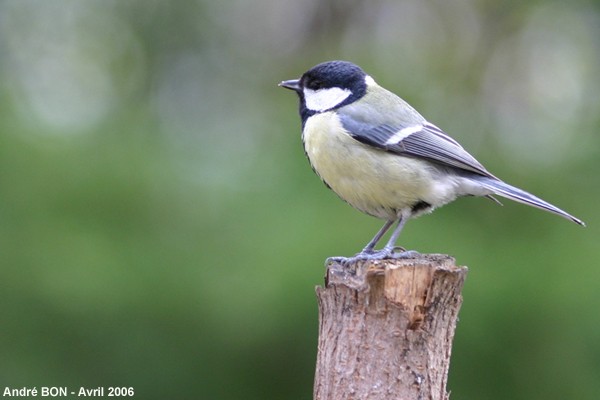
[(334, 74), (327, 86)]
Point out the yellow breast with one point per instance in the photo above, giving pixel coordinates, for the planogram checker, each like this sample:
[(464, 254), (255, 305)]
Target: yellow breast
[(373, 181)]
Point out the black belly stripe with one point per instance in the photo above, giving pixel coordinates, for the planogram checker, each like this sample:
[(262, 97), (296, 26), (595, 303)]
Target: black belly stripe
[(420, 206)]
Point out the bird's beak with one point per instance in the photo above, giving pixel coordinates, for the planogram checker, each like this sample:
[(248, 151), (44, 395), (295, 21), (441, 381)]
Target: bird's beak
[(293, 84)]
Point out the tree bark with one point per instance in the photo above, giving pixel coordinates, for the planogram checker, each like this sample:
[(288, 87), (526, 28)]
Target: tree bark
[(386, 328)]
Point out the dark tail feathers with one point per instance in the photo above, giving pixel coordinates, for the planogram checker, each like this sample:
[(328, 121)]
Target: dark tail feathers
[(510, 192)]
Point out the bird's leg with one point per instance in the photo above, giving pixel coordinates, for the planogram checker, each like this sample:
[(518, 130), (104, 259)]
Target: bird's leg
[(367, 252), (390, 246), (387, 252), (371, 245)]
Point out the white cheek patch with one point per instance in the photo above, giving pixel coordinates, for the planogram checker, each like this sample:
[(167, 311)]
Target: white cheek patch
[(402, 133), (324, 99)]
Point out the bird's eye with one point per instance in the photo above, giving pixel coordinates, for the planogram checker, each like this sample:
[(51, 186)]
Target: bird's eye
[(315, 84)]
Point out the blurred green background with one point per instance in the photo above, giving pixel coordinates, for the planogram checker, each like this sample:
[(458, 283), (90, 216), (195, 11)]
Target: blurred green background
[(161, 229)]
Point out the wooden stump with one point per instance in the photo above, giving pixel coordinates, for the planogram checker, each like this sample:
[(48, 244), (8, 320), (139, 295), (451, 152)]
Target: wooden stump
[(386, 328)]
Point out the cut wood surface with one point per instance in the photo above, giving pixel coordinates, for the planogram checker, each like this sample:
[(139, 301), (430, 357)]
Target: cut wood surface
[(386, 328)]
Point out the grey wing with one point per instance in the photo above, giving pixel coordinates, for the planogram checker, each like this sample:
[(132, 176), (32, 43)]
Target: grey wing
[(421, 139)]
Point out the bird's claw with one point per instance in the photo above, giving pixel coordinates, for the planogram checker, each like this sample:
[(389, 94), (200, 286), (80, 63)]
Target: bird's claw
[(383, 254)]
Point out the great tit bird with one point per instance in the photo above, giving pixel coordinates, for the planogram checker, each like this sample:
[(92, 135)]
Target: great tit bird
[(382, 157)]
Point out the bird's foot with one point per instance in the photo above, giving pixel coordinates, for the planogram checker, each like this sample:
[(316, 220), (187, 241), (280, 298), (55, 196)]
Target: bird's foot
[(398, 252), (394, 253)]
